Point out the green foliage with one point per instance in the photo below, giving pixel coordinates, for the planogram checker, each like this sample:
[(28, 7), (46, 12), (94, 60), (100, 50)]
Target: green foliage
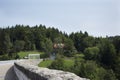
[(110, 75), (19, 45), (17, 57), (116, 42), (33, 47), (80, 55), (77, 65), (117, 67), (104, 51), (47, 45), (58, 40), (69, 49), (107, 55), (7, 44), (88, 41), (78, 40), (44, 55), (62, 64), (4, 57), (91, 70), (91, 53), (82, 40), (68, 63), (57, 64)]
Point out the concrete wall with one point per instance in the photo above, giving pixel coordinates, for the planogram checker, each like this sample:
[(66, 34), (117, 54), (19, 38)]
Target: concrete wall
[(26, 71), (20, 75)]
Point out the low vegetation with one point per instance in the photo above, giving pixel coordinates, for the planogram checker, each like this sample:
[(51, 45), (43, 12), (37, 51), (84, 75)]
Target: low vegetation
[(45, 63), (49, 63)]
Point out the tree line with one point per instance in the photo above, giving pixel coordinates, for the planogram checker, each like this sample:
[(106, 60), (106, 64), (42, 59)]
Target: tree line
[(105, 52)]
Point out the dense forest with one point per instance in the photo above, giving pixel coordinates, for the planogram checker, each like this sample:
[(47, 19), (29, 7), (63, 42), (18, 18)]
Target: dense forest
[(101, 55)]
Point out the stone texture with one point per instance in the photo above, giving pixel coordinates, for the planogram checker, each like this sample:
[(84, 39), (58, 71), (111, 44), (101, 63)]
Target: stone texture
[(38, 73)]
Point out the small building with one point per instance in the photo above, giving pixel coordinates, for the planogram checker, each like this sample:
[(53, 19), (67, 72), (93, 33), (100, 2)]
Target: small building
[(34, 56)]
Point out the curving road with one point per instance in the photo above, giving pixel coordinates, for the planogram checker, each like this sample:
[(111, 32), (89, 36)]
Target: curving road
[(7, 70)]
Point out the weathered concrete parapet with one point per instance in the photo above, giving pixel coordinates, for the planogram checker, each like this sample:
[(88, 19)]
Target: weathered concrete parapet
[(31, 72)]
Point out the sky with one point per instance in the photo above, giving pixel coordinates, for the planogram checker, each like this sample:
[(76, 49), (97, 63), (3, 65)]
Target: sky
[(97, 17)]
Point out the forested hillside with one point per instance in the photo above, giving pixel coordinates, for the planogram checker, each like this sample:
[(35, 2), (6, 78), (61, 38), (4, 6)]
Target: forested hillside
[(101, 55)]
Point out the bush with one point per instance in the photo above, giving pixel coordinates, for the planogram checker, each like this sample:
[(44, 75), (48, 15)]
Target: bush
[(57, 64), (44, 55), (91, 53), (110, 75), (17, 56), (62, 64), (4, 57), (92, 71)]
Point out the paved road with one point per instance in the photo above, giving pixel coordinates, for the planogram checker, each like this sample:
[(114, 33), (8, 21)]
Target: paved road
[(7, 70)]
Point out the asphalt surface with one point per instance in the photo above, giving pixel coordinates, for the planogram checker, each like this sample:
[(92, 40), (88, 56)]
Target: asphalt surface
[(7, 70)]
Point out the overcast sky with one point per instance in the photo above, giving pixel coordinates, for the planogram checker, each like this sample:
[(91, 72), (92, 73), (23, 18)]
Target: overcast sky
[(97, 17)]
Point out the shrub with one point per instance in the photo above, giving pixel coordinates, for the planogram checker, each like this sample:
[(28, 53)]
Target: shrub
[(92, 71), (57, 64)]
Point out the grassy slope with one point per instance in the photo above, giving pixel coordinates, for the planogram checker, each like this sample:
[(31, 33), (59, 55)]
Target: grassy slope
[(45, 63), (68, 62)]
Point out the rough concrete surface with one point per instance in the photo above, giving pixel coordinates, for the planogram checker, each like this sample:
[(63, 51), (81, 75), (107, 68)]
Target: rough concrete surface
[(38, 73)]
